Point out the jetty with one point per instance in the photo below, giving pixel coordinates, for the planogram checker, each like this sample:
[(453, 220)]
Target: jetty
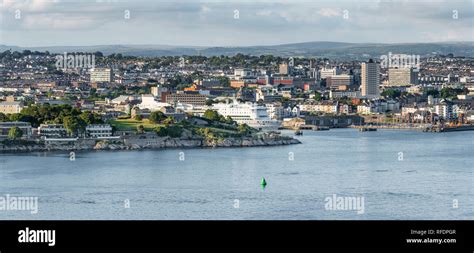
[(447, 128), (400, 126)]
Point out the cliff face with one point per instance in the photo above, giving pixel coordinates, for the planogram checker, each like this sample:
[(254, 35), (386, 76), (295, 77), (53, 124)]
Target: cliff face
[(192, 143), (153, 142)]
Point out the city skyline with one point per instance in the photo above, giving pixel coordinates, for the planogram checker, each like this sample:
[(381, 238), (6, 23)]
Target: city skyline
[(235, 23)]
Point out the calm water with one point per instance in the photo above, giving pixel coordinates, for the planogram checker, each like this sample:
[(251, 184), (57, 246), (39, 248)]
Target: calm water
[(436, 170)]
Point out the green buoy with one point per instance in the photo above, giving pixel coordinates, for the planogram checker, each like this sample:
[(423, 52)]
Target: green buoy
[(263, 182)]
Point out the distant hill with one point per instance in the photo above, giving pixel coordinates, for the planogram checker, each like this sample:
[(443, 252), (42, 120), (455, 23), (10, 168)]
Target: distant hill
[(332, 50)]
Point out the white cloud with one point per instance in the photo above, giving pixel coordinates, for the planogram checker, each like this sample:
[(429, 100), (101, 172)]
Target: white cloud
[(211, 22), (57, 22), (28, 5), (329, 12)]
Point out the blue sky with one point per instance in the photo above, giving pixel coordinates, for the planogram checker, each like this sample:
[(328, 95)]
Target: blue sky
[(214, 23)]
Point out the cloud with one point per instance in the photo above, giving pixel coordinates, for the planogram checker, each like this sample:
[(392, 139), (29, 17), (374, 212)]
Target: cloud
[(328, 12), (212, 23), (28, 5), (57, 22)]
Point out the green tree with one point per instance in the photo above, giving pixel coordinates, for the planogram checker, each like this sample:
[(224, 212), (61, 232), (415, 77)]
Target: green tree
[(451, 92), (171, 131), (74, 125), (161, 131), (174, 131), (138, 117), (391, 93), (3, 117), (230, 121), (244, 129), (434, 93), (224, 81), (168, 121), (157, 116), (140, 129), (317, 96), (15, 133), (90, 118), (213, 115)]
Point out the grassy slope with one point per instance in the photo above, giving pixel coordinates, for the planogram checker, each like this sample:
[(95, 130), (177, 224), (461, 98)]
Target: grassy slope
[(131, 124)]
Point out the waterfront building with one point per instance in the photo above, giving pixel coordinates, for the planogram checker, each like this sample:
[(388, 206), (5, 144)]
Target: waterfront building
[(322, 107), (378, 106), (275, 111), (99, 130), (370, 79), (52, 131), (445, 109), (25, 127), (334, 121)]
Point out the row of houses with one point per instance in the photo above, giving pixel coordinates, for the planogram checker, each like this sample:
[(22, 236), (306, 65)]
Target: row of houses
[(330, 107), (445, 109)]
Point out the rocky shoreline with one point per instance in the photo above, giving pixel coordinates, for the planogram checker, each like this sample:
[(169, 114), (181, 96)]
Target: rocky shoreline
[(152, 142)]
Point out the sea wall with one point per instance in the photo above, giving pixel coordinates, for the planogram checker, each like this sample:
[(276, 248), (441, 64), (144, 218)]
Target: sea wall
[(151, 142)]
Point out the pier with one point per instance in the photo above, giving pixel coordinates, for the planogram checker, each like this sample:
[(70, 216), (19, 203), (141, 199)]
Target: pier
[(417, 127), (441, 129), (312, 127), (400, 126)]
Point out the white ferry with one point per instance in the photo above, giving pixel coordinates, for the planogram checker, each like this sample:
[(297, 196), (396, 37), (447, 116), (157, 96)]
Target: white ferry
[(252, 114)]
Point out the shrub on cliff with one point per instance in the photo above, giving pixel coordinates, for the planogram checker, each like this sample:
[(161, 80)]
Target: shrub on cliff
[(138, 117), (171, 131), (156, 117), (140, 129)]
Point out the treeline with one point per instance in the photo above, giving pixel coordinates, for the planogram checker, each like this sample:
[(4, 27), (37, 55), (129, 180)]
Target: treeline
[(73, 119), (222, 61), (8, 54), (445, 93)]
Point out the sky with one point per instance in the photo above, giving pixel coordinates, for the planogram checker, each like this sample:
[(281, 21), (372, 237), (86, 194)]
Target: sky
[(232, 22)]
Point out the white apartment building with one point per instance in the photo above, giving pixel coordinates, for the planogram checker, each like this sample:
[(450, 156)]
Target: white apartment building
[(149, 102), (327, 72), (445, 110), (275, 111), (52, 131), (99, 130), (324, 107), (379, 106), (242, 73)]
